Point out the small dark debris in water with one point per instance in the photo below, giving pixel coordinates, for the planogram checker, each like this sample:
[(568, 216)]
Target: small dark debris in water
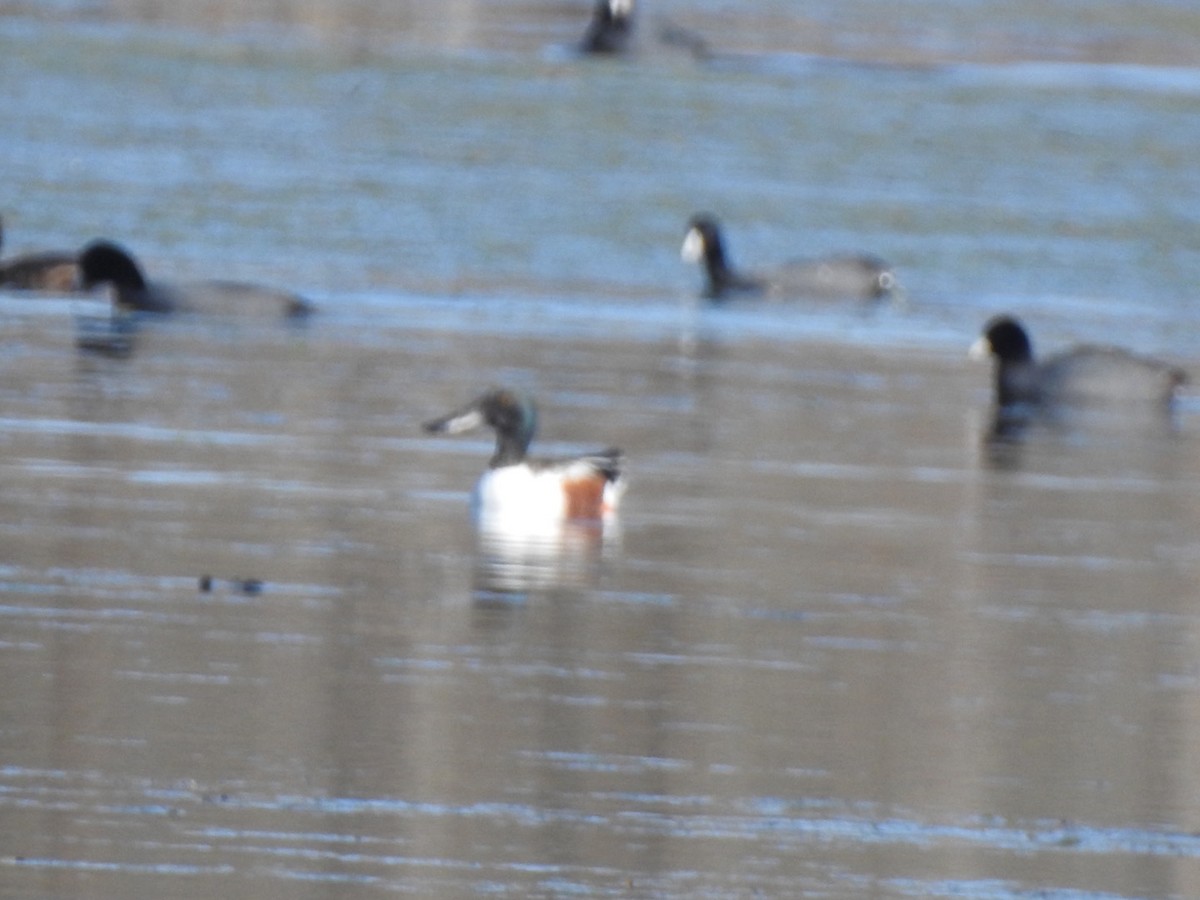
[(249, 586)]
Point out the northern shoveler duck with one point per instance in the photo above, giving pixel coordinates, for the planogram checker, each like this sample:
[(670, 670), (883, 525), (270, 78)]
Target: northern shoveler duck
[(44, 271), (610, 29), (1083, 374), (858, 276), (524, 493), (103, 262)]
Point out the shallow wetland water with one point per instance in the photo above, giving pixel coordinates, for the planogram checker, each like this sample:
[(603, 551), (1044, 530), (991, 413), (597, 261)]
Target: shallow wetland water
[(838, 643)]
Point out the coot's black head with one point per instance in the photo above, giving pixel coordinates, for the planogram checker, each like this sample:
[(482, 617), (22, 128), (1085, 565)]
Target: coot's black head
[(610, 28), (103, 262), (1005, 338), (703, 242), (619, 12)]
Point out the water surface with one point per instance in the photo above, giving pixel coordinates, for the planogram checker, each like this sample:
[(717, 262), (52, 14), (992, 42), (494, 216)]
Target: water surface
[(838, 643)]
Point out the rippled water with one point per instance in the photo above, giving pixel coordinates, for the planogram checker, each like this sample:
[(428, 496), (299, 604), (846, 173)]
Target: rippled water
[(839, 643)]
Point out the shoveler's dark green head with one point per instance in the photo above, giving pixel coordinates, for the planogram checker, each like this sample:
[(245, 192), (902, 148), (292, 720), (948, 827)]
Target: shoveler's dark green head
[(511, 414)]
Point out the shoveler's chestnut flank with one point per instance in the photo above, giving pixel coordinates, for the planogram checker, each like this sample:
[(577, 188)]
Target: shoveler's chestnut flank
[(521, 492)]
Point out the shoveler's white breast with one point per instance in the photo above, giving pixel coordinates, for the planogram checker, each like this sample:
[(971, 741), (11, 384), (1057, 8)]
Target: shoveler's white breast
[(522, 498), (519, 498)]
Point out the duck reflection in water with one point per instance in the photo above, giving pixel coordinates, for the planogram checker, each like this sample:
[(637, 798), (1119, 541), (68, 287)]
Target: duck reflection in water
[(539, 521), (509, 566), (1086, 386)]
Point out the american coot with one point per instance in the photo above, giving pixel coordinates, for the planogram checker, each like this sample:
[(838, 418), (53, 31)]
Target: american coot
[(858, 276), (47, 271), (519, 493), (103, 262), (611, 28), (1080, 375)]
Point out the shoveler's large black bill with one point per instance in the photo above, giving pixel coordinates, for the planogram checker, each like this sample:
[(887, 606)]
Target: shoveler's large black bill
[(456, 422)]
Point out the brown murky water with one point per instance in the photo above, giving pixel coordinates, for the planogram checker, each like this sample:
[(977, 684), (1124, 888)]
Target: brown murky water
[(832, 648), (839, 644)]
